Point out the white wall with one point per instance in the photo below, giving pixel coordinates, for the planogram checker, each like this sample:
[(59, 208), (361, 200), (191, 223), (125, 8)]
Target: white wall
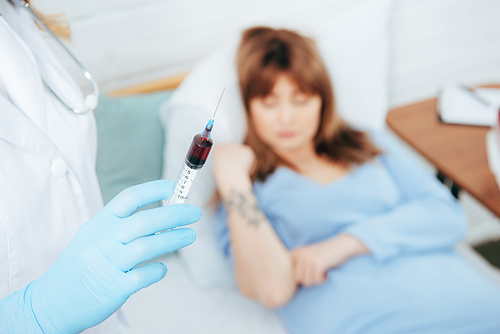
[(129, 41), (435, 42), (123, 42)]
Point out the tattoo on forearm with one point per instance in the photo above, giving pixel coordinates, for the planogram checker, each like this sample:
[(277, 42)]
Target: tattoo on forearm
[(245, 205)]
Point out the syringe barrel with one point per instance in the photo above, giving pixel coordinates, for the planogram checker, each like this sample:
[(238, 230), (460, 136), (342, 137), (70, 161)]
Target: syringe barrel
[(195, 159)]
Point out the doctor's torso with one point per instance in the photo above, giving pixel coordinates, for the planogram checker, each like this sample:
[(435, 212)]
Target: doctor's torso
[(48, 185)]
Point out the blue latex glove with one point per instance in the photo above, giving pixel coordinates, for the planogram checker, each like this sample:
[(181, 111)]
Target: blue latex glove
[(97, 272)]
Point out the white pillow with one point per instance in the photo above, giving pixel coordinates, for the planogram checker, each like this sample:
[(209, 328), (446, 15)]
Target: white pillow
[(354, 46)]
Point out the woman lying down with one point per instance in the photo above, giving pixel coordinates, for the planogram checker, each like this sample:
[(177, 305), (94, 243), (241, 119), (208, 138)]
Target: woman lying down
[(336, 227)]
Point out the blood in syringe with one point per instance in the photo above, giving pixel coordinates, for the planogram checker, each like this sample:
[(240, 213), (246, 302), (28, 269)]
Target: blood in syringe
[(198, 152)]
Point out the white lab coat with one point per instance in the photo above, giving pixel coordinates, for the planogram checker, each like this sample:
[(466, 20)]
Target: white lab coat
[(48, 183)]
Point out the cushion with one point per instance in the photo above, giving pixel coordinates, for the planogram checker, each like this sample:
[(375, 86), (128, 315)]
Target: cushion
[(130, 142), (353, 40)]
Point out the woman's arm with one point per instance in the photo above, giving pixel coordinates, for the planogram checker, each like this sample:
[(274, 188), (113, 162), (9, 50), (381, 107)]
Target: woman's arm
[(428, 217), (263, 264)]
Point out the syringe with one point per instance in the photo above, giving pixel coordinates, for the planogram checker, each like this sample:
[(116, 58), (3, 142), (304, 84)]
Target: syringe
[(195, 159)]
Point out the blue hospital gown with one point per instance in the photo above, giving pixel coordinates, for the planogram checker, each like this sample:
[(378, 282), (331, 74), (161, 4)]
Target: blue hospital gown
[(412, 282)]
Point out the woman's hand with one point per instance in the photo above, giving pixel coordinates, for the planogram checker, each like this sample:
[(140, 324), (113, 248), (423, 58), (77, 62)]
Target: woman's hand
[(232, 166), (311, 262)]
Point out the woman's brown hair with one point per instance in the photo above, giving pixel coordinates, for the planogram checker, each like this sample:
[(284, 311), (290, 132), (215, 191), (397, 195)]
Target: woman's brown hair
[(263, 55)]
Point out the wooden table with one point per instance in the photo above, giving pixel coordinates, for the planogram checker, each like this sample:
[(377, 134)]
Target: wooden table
[(458, 151)]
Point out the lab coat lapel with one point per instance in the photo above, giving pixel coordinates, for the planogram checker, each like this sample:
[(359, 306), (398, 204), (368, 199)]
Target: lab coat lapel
[(17, 128), (20, 76), (23, 116), (49, 67)]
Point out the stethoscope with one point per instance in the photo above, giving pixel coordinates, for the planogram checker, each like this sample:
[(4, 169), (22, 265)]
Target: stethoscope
[(91, 100)]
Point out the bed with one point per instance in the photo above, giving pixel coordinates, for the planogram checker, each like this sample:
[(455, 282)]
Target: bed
[(178, 304)]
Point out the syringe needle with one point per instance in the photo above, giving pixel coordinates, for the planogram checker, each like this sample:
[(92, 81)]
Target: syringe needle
[(219, 102)]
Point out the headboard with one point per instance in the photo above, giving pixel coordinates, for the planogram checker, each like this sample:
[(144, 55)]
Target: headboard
[(150, 87)]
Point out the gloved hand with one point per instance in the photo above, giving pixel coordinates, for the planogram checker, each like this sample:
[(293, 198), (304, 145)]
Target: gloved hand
[(97, 272)]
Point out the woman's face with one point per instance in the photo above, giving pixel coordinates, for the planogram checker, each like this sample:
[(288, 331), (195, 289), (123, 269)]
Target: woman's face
[(287, 119)]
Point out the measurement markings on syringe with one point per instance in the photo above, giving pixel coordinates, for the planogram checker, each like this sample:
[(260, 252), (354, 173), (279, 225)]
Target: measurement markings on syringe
[(185, 182)]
